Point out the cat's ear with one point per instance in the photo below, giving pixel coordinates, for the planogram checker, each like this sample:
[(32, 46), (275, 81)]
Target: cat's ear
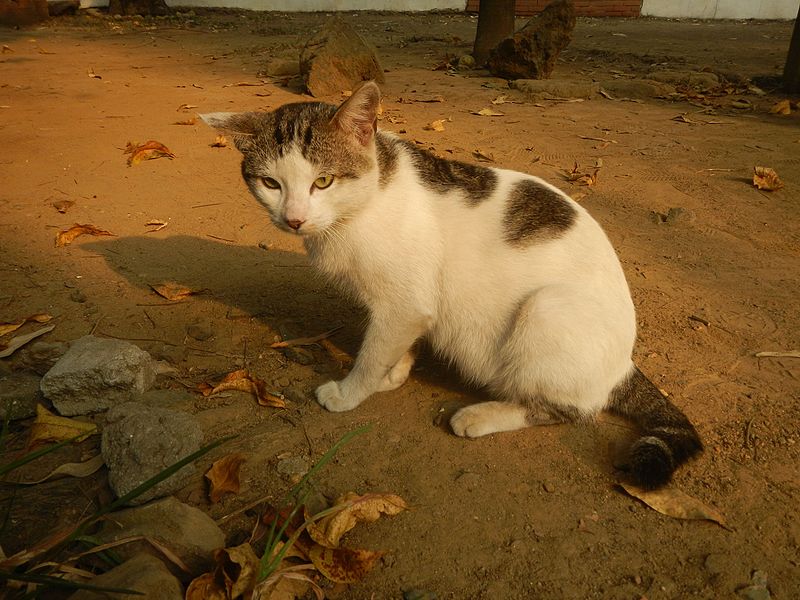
[(358, 115), (240, 126)]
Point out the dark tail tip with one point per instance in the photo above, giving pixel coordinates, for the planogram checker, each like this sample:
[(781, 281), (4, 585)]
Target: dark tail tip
[(653, 460)]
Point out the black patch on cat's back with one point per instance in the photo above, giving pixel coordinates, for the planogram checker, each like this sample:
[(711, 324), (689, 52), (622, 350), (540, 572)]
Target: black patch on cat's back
[(441, 175), (534, 211)]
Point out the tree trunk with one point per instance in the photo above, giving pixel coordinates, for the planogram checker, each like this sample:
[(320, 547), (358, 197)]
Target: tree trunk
[(791, 72), (495, 23), (145, 8)]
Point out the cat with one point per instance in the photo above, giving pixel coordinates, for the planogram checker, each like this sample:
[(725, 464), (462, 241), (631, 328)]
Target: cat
[(503, 274)]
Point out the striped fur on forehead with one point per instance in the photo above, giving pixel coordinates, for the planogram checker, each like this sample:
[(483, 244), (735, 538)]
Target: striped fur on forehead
[(305, 127)]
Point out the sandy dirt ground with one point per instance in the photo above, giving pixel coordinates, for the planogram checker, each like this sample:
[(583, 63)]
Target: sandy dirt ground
[(529, 514)]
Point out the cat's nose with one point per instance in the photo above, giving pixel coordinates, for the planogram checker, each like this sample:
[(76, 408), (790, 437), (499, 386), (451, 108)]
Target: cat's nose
[(294, 223)]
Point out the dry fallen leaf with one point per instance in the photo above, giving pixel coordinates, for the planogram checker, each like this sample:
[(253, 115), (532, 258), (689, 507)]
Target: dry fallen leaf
[(355, 509), (205, 587), (242, 381), (19, 341), (63, 206), (343, 565), (583, 178), (488, 112), (337, 354), (173, 291), (673, 502), (223, 476), (150, 150), (784, 107), (7, 49), (437, 125), (220, 142), (48, 427), (90, 72), (81, 469), (66, 237), (6, 328), (766, 179), (235, 575)]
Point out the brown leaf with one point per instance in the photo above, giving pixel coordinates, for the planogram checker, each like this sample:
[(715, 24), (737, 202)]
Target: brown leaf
[(220, 142), (337, 354), (675, 503), (223, 476), (488, 112), (66, 237), (6, 328), (63, 206), (150, 150), (19, 341), (343, 565), (173, 291), (48, 427), (305, 341), (157, 224), (242, 381), (355, 509), (239, 568), (192, 121), (766, 179), (90, 72), (784, 107), (583, 178), (205, 587)]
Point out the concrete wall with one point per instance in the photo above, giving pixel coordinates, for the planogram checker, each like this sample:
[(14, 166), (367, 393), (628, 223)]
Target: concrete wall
[(721, 9)]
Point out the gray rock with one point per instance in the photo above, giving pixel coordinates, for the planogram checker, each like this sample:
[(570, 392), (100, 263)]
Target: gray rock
[(758, 589), (200, 331), (41, 356), (337, 59), (532, 51), (187, 531), (695, 79), (282, 67), (139, 441), (637, 88), (556, 88), (292, 468), (143, 573), (19, 394), (97, 373)]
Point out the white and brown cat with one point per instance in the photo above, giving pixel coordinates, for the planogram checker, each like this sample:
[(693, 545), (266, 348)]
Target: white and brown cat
[(503, 274)]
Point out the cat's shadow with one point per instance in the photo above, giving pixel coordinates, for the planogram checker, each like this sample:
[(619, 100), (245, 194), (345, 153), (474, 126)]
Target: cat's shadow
[(284, 292)]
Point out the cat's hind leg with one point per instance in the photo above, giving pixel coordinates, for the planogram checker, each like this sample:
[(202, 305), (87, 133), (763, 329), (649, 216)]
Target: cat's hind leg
[(398, 374)]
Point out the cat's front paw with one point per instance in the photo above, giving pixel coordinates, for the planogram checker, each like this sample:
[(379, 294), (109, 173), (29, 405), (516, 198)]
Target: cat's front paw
[(330, 396)]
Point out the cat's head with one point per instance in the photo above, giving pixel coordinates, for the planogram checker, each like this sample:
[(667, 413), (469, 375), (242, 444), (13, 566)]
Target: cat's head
[(310, 164)]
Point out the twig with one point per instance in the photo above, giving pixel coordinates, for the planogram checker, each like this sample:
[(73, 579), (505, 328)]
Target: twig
[(305, 341), (784, 354), (97, 324), (222, 239), (136, 339)]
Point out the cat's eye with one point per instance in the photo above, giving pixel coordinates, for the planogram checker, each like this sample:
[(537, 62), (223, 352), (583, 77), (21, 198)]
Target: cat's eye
[(270, 183), (323, 181)]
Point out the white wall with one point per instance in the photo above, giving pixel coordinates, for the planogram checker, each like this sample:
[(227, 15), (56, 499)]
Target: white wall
[(721, 9)]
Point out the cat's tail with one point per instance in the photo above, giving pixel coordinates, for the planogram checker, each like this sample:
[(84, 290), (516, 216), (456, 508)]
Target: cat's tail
[(667, 438)]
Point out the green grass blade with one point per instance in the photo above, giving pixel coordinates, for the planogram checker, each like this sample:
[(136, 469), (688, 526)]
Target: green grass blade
[(31, 456), (64, 584)]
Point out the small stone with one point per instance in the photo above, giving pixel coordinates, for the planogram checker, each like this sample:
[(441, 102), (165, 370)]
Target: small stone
[(337, 59), (758, 589), (78, 296), (715, 563), (187, 531), (97, 373), (293, 467), (200, 331), (466, 62), (139, 441), (282, 67), (549, 487), (19, 395), (283, 382), (144, 573)]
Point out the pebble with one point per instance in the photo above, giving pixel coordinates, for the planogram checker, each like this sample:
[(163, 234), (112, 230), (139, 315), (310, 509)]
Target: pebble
[(293, 467), (200, 331)]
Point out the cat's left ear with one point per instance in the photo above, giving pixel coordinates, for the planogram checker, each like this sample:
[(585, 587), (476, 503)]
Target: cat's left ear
[(358, 115), (241, 126)]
